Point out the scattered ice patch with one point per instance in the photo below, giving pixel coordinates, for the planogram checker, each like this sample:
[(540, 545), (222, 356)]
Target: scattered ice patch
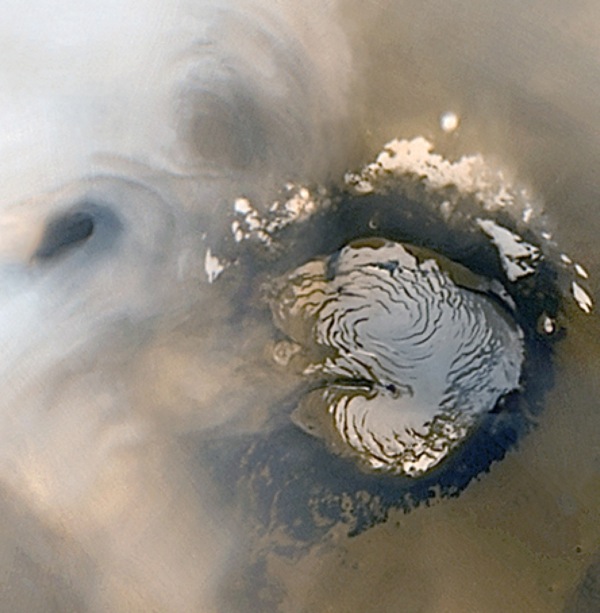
[(527, 214), (517, 256), (581, 271), (242, 206), (582, 298), (548, 324), (446, 209), (565, 258), (213, 266), (251, 224), (470, 175)]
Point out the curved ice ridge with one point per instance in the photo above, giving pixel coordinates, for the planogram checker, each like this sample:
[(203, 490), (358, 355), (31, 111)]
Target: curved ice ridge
[(403, 358)]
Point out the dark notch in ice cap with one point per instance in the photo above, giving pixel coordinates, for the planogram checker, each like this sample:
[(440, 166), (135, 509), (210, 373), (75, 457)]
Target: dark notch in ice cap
[(94, 225)]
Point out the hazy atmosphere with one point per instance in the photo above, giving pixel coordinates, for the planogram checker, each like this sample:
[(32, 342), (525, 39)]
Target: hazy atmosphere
[(299, 306)]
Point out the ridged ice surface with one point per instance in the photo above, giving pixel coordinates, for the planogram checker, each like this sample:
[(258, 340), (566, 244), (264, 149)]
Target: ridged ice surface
[(405, 351)]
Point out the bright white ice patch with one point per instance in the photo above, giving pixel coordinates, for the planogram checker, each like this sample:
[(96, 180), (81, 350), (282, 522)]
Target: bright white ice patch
[(517, 256), (581, 271), (250, 224), (582, 298), (565, 258), (213, 266), (470, 175), (406, 361)]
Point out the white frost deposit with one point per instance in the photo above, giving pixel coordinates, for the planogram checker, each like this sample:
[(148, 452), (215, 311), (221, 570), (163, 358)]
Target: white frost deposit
[(213, 266), (473, 177), (582, 298), (581, 271), (470, 174), (470, 177), (407, 360), (250, 224), (517, 256)]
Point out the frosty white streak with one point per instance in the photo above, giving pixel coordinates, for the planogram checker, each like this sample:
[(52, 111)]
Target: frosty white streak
[(406, 358)]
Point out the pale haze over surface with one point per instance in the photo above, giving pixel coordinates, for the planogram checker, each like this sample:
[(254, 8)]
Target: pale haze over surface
[(122, 364)]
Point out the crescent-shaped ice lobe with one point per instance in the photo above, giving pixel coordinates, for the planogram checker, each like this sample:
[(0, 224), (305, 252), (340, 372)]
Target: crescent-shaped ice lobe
[(405, 358)]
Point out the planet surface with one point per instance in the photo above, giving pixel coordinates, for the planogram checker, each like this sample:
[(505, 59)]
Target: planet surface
[(404, 360)]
